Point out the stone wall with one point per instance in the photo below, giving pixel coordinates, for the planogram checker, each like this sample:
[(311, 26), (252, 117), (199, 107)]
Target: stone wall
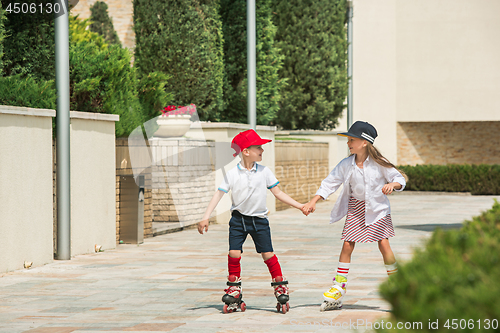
[(183, 182), (472, 142), (120, 11), (300, 168)]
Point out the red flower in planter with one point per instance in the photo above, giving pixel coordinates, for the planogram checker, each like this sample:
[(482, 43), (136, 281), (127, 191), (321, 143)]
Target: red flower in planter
[(172, 110)]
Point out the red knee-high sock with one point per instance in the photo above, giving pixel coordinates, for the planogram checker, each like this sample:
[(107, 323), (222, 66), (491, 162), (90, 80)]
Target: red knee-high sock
[(233, 266), (274, 266)]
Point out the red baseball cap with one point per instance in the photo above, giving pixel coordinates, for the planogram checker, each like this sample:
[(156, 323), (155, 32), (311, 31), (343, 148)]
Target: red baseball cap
[(246, 139)]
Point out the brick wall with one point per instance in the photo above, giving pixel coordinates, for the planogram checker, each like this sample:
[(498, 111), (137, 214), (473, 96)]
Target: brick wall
[(300, 167), (183, 181), (473, 142), (120, 11)]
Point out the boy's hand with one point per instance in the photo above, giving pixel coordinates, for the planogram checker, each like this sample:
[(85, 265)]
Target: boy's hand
[(203, 225)]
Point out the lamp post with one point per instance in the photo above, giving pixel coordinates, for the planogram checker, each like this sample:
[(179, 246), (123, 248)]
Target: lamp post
[(251, 65), (63, 132), (349, 64)]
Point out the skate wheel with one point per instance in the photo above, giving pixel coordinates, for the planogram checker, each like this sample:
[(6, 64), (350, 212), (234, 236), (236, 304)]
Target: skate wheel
[(278, 307), (224, 309), (283, 308), (243, 307), (323, 306), (287, 306)]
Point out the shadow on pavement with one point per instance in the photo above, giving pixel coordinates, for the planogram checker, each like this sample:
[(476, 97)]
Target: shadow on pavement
[(431, 227)]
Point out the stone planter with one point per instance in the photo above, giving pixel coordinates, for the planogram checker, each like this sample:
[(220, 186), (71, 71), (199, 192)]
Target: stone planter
[(172, 126)]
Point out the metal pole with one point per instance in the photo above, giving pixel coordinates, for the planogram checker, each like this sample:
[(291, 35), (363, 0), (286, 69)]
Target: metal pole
[(251, 64), (349, 64), (63, 135)]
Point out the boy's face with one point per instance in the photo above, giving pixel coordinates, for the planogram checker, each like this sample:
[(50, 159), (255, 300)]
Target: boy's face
[(253, 153)]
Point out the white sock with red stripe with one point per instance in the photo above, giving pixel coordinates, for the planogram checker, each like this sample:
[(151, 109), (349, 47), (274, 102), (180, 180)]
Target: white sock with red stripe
[(392, 269), (343, 269)]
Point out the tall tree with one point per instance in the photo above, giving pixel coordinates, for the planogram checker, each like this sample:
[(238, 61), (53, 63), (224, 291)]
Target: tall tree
[(312, 36), (102, 23), (269, 62), (184, 40)]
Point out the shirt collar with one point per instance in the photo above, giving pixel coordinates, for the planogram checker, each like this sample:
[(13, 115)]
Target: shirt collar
[(354, 159), (241, 167)]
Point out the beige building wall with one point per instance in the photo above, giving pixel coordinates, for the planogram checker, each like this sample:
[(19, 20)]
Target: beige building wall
[(26, 183), (120, 11), (425, 61)]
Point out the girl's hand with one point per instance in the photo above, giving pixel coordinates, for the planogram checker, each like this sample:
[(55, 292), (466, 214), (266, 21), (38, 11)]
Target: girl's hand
[(388, 188), (203, 225)]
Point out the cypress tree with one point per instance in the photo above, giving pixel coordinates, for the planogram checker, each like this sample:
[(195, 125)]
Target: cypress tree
[(312, 36), (183, 39), (102, 23), (269, 62)]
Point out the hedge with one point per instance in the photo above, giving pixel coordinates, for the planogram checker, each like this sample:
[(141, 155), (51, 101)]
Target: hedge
[(476, 179), (454, 277)]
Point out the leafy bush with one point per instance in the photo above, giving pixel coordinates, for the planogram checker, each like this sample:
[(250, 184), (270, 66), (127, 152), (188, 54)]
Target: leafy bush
[(269, 62), (28, 92), (454, 277), (477, 179), (312, 36), (2, 35), (183, 39), (29, 46), (101, 78)]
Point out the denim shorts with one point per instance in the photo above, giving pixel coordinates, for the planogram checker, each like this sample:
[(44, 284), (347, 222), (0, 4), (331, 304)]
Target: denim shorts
[(241, 225)]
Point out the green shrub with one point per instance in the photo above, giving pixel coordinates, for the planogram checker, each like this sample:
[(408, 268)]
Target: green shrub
[(29, 46), (269, 62), (102, 23), (28, 92), (101, 78), (2, 35), (477, 179), (454, 277), (312, 36), (183, 39)]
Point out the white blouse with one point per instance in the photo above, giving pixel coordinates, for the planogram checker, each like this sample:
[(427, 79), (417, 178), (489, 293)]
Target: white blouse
[(375, 177)]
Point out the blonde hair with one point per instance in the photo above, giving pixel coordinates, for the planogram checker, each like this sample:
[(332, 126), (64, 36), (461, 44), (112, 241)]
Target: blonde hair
[(381, 160)]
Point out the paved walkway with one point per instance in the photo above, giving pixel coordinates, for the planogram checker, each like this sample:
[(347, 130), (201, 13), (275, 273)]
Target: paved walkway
[(174, 282)]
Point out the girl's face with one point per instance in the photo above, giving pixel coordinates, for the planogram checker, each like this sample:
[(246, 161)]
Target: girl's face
[(356, 146)]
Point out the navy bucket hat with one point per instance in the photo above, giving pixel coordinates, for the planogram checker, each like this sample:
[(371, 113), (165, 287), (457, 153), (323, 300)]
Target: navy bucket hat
[(362, 130)]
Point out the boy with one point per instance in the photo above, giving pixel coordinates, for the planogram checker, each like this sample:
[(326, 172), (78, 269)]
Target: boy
[(248, 183)]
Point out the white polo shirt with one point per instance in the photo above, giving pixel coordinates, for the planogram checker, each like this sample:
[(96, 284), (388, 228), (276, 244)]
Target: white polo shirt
[(249, 188)]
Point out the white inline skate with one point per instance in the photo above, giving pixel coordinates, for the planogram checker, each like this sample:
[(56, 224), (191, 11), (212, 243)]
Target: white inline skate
[(281, 292), (333, 297), (233, 296)]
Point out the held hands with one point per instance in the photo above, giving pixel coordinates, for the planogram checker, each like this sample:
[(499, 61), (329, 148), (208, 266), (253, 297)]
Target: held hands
[(203, 225), (308, 208)]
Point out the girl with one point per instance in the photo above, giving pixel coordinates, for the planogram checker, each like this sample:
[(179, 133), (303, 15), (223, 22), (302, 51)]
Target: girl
[(368, 178)]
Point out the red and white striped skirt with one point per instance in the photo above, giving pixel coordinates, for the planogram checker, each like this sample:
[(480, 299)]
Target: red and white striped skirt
[(355, 229)]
